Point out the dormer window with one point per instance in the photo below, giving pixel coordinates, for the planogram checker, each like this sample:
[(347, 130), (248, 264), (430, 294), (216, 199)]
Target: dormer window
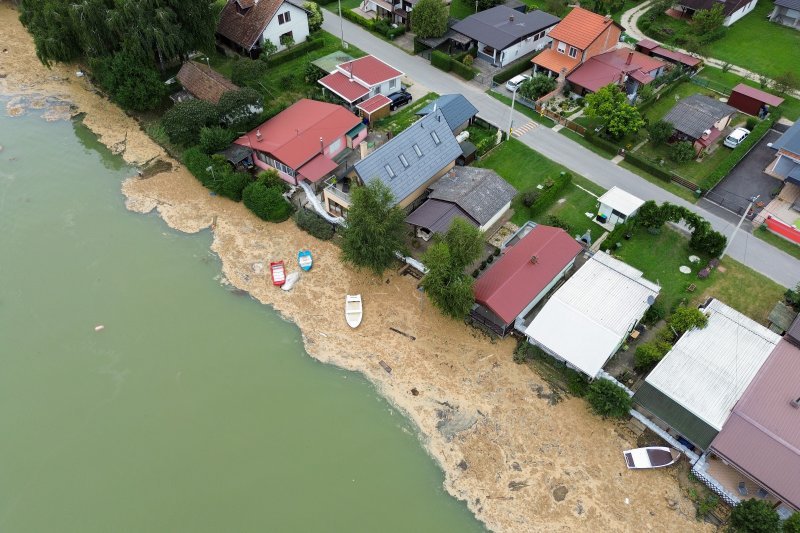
[(435, 138)]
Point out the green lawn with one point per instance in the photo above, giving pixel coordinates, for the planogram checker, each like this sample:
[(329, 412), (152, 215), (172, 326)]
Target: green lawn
[(790, 108), (753, 42), (530, 113), (674, 188), (779, 242), (566, 132), (661, 107), (461, 9), (628, 4), (406, 116)]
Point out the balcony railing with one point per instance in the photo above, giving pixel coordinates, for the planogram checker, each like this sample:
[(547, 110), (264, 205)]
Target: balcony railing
[(334, 189)]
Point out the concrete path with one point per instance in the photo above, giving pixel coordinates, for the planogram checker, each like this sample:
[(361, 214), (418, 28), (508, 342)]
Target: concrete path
[(631, 17), (746, 248)]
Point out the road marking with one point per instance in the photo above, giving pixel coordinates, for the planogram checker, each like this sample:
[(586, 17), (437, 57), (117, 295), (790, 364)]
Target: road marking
[(525, 128)]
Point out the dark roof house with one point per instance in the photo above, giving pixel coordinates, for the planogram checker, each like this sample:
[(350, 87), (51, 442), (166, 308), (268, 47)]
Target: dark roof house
[(203, 82), (477, 195), (523, 275), (242, 22), (762, 436), (457, 110), (412, 160), (787, 159), (732, 9), (697, 113), (654, 49)]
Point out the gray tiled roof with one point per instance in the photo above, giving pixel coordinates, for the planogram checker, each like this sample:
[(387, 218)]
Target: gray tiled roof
[(501, 26), (456, 109), (790, 140), (434, 157), (790, 4), (480, 192), (697, 113)]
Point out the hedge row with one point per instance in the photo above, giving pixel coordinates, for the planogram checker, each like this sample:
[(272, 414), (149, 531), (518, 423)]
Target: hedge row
[(377, 26), (608, 146), (738, 153), (314, 224), (514, 70), (446, 63), (215, 174), (649, 167), (550, 194), (295, 51)]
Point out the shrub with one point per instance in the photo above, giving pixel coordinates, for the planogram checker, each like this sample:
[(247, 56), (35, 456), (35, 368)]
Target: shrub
[(648, 167), (660, 131), (577, 383), (468, 60), (215, 139), (267, 203), (606, 145), (792, 524), (681, 152), (232, 183), (197, 162), (440, 60), (649, 354), (548, 196), (556, 222), (518, 68), (246, 71), (315, 17), (537, 86), (792, 297), (131, 83), (607, 399), (529, 197), (462, 70), (314, 224), (754, 516), (686, 318), (654, 313), (184, 120), (751, 123), (235, 107)]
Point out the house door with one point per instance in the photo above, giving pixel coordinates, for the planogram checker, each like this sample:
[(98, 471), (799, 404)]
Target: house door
[(616, 217)]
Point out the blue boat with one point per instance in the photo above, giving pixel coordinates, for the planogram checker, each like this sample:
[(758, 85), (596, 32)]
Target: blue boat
[(304, 259)]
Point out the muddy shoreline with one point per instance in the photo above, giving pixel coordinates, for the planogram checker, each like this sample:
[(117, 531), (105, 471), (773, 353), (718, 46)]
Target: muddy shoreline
[(521, 462)]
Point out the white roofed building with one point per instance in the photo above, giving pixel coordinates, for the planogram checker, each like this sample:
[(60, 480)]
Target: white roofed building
[(617, 206), (586, 321)]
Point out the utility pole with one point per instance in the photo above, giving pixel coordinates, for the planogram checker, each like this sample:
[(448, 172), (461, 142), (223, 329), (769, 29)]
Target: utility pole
[(739, 225), (511, 113), (341, 23), (476, 6)]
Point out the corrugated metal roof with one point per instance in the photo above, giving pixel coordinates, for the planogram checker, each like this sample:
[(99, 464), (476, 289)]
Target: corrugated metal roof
[(790, 4), (591, 314), (671, 412), (502, 26), (697, 113), (456, 109), (708, 369), (402, 180), (480, 192), (762, 436), (758, 94), (370, 70)]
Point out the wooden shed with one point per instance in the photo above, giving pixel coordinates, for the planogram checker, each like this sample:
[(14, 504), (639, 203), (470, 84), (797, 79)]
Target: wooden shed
[(375, 107), (751, 100)]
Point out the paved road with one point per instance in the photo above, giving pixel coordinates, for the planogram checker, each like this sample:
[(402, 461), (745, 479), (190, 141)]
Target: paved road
[(631, 17), (746, 248)]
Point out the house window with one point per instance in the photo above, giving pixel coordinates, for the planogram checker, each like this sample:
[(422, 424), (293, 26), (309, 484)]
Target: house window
[(435, 138), (403, 160), (417, 150), (393, 83), (274, 163), (573, 51), (389, 171), (287, 39), (562, 48), (541, 34), (284, 17), (336, 209)]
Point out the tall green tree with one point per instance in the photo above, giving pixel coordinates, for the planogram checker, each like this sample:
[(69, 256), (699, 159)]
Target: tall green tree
[(754, 516), (708, 21), (374, 230), (537, 86), (610, 106), (429, 19), (446, 284), (315, 16)]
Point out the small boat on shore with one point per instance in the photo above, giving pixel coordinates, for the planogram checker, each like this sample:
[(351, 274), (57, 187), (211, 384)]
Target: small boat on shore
[(278, 273), (305, 260), (353, 311), (651, 457), (291, 279)]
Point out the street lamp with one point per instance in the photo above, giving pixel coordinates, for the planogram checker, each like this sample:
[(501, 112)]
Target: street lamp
[(753, 200), (511, 113), (341, 23)]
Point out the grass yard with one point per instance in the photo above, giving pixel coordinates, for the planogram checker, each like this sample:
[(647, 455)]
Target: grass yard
[(566, 132), (691, 170), (738, 286), (406, 116), (661, 107), (753, 42), (790, 108), (779, 242), (530, 113), (674, 188), (525, 168), (461, 9)]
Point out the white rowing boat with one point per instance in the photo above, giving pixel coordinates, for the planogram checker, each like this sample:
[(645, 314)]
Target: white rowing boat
[(291, 279), (353, 310), (651, 457)]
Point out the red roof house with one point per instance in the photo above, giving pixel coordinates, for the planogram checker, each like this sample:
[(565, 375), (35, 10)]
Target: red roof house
[(654, 49), (363, 77), (752, 100), (301, 141), (761, 438), (522, 276), (622, 66)]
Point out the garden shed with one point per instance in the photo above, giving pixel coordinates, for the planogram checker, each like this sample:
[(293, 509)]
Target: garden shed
[(752, 101), (617, 206)]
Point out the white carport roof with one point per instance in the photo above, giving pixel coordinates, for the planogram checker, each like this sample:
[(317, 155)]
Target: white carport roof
[(621, 201), (592, 313)]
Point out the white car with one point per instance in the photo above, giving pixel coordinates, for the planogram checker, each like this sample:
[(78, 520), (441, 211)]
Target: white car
[(736, 137), (514, 83)]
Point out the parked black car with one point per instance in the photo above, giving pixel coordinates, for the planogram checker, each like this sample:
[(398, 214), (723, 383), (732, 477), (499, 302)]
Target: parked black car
[(399, 99)]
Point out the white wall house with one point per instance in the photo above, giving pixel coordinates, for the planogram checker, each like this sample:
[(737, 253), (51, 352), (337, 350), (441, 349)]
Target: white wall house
[(289, 22), (530, 44), (739, 13), (733, 9)]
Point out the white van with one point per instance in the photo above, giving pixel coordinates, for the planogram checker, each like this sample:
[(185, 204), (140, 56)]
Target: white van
[(514, 83), (736, 137)]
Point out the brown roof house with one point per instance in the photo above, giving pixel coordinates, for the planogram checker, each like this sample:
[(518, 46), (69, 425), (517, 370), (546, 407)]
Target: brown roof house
[(760, 442), (579, 36), (700, 120), (623, 67), (246, 25), (733, 9), (202, 82)]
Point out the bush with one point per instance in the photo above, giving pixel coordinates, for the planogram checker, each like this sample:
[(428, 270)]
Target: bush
[(686, 318), (234, 107), (607, 399), (660, 131), (468, 60), (754, 516), (654, 313), (267, 203), (649, 354), (751, 123), (184, 120), (514, 70), (214, 139), (681, 152), (556, 222), (315, 17), (537, 86), (197, 162), (548, 196), (528, 197), (246, 71), (314, 224), (440, 60), (792, 297), (232, 184), (605, 144), (792, 524), (736, 155), (462, 70)]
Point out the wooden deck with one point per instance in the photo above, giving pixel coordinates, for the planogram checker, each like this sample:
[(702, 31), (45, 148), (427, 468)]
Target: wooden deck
[(729, 478)]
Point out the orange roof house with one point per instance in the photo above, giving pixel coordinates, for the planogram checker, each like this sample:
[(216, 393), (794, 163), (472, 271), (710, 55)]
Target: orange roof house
[(579, 36)]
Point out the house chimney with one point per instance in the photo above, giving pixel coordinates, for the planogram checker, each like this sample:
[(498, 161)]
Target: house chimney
[(706, 134), (630, 58), (258, 134), (321, 146), (795, 403), (511, 18), (534, 259)]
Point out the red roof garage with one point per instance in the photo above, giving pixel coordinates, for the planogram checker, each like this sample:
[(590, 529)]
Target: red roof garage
[(750, 100)]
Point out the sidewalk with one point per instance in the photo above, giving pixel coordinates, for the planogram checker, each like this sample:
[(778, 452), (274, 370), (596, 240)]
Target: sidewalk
[(746, 248)]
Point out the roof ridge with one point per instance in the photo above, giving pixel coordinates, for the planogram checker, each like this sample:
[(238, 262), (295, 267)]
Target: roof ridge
[(542, 246)]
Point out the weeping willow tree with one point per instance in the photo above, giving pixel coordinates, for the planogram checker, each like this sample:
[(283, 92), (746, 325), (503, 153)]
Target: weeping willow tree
[(146, 33)]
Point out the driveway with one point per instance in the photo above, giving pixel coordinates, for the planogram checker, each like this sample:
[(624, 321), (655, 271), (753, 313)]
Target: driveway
[(748, 179), (746, 248)]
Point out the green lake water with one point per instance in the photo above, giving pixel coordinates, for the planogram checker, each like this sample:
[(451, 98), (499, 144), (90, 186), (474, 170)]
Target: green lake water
[(196, 409)]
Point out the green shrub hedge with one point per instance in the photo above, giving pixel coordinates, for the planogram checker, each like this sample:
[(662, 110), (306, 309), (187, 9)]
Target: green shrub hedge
[(606, 145), (462, 70), (550, 194), (520, 68), (446, 63), (738, 153), (221, 179), (314, 224), (649, 167), (298, 50)]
